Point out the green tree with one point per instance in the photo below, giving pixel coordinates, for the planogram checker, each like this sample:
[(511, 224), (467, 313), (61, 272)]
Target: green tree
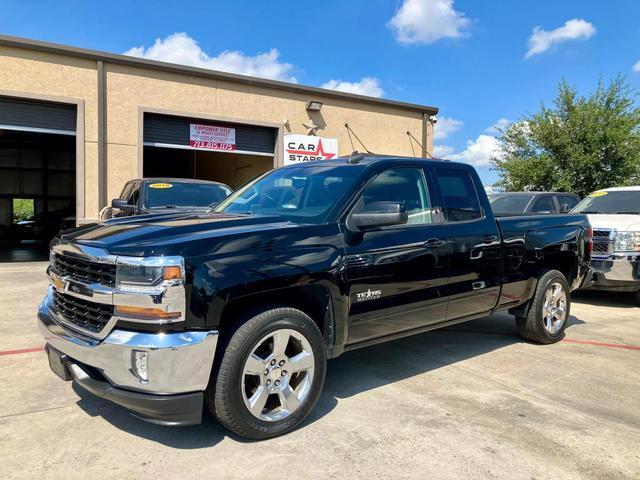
[(580, 145)]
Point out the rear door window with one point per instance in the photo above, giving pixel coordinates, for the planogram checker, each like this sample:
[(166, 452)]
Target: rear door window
[(460, 199), (544, 204), (567, 202)]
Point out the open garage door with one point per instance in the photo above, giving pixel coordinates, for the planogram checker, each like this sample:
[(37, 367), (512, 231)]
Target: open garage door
[(37, 175), (202, 149)]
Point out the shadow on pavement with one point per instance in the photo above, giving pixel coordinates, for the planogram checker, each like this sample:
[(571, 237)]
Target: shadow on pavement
[(352, 373), (207, 434)]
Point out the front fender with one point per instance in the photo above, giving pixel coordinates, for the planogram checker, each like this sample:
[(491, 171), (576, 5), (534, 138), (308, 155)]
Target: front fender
[(270, 267)]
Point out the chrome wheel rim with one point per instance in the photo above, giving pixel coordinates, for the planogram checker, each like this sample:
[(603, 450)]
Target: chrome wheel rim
[(277, 375), (554, 311)]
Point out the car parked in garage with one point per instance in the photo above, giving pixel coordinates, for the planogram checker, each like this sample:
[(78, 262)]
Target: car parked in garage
[(42, 227), (238, 309), (160, 195), (532, 203), (614, 214)]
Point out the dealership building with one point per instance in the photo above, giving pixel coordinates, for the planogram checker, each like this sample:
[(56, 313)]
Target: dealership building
[(76, 124)]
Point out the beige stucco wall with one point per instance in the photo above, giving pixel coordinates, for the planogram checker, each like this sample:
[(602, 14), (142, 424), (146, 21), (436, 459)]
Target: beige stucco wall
[(48, 75), (382, 129)]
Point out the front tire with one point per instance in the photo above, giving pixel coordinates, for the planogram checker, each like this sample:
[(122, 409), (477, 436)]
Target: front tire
[(546, 319), (270, 376)]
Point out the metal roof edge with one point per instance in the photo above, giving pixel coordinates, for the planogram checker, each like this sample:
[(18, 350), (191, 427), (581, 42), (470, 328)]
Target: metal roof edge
[(49, 47)]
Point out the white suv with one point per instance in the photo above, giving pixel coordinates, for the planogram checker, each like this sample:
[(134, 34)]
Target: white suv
[(614, 214)]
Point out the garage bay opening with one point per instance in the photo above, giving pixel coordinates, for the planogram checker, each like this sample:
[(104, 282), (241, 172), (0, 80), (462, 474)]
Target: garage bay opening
[(229, 168), (37, 176), (230, 153)]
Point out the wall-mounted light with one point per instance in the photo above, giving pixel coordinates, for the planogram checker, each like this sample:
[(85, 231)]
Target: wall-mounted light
[(314, 106)]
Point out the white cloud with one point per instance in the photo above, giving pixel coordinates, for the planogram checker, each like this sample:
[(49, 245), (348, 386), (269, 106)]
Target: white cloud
[(427, 21), (369, 86), (445, 127), (542, 40), (478, 152), (181, 48), (442, 151), (496, 128), (636, 67)]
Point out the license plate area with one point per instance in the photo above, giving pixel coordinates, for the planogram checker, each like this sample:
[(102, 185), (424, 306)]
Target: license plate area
[(58, 363)]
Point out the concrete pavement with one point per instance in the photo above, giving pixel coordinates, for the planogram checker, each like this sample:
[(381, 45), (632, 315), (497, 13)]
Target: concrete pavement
[(469, 401)]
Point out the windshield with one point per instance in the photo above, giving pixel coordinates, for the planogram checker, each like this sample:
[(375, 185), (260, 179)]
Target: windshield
[(301, 194), (620, 202), (184, 194), (509, 203)]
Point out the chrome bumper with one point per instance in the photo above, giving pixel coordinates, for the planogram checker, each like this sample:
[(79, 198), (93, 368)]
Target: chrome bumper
[(615, 270), (177, 362)]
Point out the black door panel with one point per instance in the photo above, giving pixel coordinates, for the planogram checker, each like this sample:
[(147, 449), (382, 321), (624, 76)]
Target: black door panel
[(474, 269), (475, 252), (395, 282)]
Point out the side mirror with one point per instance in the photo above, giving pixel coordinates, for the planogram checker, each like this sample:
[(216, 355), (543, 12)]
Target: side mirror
[(121, 204), (564, 208), (378, 214)]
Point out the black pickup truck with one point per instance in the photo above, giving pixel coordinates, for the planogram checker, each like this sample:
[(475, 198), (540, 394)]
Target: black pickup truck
[(239, 308)]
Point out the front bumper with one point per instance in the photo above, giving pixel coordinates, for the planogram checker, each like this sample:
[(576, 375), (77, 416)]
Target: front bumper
[(179, 367), (616, 272)]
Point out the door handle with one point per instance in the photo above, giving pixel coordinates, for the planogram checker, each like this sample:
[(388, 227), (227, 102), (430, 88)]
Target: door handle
[(490, 238), (434, 243)]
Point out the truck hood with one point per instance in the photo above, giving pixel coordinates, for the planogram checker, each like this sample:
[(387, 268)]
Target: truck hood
[(168, 234), (621, 223)]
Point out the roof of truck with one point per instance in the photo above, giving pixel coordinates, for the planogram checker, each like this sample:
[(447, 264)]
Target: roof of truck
[(365, 159), (498, 194)]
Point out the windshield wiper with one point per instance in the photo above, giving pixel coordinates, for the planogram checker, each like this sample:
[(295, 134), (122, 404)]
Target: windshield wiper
[(591, 211), (628, 213)]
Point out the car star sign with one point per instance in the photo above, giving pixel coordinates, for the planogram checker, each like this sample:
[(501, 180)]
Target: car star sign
[(307, 148)]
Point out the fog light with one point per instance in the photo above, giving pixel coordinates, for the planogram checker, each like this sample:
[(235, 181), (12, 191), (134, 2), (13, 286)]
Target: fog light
[(139, 362)]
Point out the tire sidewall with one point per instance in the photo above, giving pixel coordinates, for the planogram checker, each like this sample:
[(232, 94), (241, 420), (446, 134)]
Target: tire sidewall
[(545, 281), (290, 320)]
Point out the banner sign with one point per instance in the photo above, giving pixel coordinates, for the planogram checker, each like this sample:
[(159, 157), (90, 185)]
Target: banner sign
[(306, 148), (212, 137)]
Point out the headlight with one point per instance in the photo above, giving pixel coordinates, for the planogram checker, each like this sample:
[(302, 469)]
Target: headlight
[(150, 289), (148, 275), (627, 242)]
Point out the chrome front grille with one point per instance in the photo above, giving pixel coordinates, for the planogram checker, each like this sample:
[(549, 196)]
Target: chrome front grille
[(601, 247), (84, 271), (602, 242), (83, 314)]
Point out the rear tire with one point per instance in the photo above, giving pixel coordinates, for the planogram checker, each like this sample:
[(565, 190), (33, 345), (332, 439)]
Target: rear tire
[(270, 376), (550, 307)]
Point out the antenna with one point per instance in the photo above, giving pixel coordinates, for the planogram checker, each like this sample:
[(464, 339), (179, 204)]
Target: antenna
[(355, 157)]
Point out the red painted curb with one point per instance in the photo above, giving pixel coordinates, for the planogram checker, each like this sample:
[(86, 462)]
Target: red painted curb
[(21, 350), (602, 344)]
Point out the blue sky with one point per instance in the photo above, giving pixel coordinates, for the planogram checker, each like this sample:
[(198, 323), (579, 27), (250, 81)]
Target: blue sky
[(467, 57)]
